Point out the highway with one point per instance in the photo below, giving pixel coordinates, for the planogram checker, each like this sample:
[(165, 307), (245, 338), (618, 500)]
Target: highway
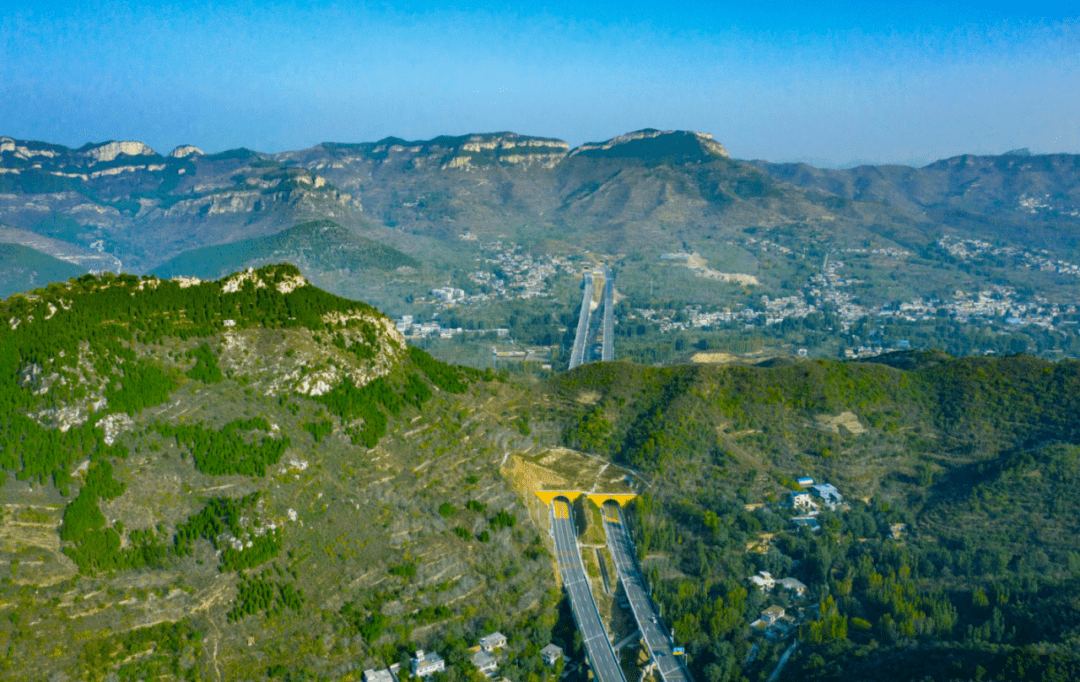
[(577, 354), (602, 659), (648, 621), (608, 352)]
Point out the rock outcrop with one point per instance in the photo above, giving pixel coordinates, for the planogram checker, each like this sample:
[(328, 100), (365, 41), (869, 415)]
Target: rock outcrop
[(185, 150), (110, 150)]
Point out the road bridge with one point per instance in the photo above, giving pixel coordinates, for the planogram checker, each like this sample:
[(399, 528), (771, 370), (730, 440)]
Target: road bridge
[(577, 353), (633, 580), (602, 658), (607, 354)]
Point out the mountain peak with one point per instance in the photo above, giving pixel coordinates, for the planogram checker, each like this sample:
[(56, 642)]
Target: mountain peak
[(107, 151), (184, 151), (668, 145)]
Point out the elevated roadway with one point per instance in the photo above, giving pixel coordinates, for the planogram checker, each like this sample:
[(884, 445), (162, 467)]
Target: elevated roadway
[(607, 353), (577, 353), (648, 620), (602, 658)]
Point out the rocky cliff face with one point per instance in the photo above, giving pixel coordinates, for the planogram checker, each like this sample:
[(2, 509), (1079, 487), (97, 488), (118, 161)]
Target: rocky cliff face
[(184, 151), (125, 199), (110, 150)]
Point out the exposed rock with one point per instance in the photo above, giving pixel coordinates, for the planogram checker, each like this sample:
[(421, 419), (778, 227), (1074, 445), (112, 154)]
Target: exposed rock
[(111, 150), (185, 150), (186, 282), (127, 169), (113, 425)]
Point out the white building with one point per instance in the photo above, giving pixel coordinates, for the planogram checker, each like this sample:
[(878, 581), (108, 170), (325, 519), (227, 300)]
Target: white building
[(801, 501), (551, 654), (378, 675), (793, 585), (485, 663), (495, 640), (427, 663), (763, 580), (828, 493)]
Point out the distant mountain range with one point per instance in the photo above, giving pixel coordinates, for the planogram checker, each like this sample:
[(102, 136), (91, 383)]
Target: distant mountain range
[(122, 205)]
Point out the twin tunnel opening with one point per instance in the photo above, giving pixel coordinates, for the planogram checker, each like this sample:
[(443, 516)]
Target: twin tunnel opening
[(608, 505), (549, 496)]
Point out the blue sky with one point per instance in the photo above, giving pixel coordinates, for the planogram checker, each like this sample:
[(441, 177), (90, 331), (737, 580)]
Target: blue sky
[(830, 85)]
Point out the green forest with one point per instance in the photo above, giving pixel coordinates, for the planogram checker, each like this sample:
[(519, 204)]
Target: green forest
[(954, 557)]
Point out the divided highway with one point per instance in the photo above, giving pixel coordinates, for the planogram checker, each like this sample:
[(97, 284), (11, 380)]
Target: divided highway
[(648, 621), (607, 354), (577, 354), (604, 663)]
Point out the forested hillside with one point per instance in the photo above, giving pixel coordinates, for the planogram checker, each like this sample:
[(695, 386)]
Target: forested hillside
[(199, 477), (250, 478), (954, 555)]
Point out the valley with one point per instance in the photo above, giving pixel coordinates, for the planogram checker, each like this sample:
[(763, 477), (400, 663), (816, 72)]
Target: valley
[(232, 468), (489, 234)]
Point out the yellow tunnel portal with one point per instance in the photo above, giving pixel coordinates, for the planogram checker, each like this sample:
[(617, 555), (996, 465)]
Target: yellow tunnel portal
[(622, 499), (548, 496)]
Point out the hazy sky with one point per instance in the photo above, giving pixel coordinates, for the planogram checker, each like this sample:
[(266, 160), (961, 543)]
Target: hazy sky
[(820, 82)]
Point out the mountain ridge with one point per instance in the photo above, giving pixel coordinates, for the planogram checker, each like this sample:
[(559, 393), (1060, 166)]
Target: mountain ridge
[(985, 228)]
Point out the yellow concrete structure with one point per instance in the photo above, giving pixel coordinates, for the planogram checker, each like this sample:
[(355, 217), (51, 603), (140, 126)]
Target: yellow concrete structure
[(622, 499), (548, 496)]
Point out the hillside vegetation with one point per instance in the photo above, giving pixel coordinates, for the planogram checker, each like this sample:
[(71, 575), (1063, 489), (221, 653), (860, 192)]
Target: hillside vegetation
[(315, 246), (249, 477), (955, 558)]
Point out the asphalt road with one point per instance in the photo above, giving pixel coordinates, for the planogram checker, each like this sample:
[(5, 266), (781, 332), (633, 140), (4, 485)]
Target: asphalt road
[(602, 659), (577, 354), (607, 354), (648, 620)]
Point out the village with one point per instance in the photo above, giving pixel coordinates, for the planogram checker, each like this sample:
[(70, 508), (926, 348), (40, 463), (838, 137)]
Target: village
[(509, 274), (830, 290), (484, 657), (777, 622)]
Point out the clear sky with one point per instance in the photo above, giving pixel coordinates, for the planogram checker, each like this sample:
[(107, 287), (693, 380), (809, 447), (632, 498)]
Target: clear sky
[(830, 83)]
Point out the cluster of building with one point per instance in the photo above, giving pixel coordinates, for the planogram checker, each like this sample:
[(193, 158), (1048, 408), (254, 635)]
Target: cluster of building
[(484, 658), (814, 497), (1035, 204), (693, 317), (448, 294), (765, 582), (775, 623), (509, 274), (831, 288), (512, 274), (1030, 259), (412, 328), (767, 245)]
